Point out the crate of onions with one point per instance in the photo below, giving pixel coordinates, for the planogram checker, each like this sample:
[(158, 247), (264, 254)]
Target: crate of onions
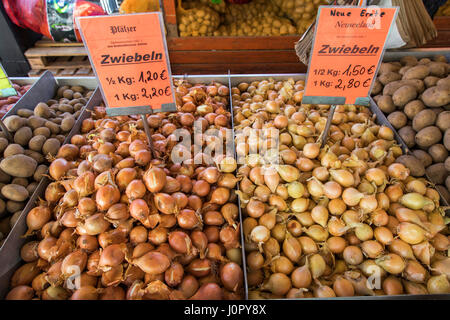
[(340, 220), (121, 220)]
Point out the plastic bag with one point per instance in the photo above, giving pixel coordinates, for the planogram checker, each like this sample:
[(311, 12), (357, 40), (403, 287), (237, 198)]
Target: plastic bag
[(54, 19)]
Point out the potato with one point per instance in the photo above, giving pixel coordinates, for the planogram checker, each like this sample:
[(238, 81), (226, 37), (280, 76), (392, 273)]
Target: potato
[(424, 119), (423, 157), (2, 207), (36, 122), (424, 61), (403, 70), (440, 58), (409, 60), (37, 142), (14, 206), (436, 96), (417, 72), (428, 136), (408, 134), (51, 102), (437, 173), (413, 164), (4, 177), (412, 108), (403, 95), (35, 155), (443, 192), (397, 119), (77, 114), (25, 113), (67, 123), (13, 149), (388, 77), (20, 181), (68, 94), (376, 98), (438, 152), (3, 144), (430, 81), (83, 101), (19, 165), (43, 131), (51, 146), (42, 110), (54, 128), (32, 187), (23, 135), (443, 120), (14, 218), (60, 91), (386, 67), (79, 89), (77, 95), (56, 120), (40, 171), (375, 90), (4, 228), (391, 87), (65, 108), (74, 102), (447, 139), (437, 69), (14, 123), (15, 192), (444, 83)]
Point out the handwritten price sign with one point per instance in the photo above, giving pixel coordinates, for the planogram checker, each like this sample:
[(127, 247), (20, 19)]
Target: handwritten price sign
[(347, 50), (129, 55)]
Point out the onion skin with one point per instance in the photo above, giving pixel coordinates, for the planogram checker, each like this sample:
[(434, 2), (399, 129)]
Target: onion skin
[(20, 293)]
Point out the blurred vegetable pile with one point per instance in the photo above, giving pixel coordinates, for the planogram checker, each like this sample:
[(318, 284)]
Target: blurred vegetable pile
[(256, 18)]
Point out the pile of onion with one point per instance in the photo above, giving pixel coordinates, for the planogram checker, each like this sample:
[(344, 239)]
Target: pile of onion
[(324, 220), (130, 222)]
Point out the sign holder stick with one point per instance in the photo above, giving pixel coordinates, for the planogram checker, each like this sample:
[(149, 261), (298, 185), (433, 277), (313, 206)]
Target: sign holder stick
[(149, 136), (324, 134)]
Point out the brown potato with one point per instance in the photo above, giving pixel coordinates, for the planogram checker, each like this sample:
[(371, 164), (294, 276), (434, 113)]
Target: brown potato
[(37, 142), (14, 123), (403, 95), (397, 119), (417, 72), (386, 67), (440, 58), (409, 60), (438, 152), (447, 139), (444, 83), (388, 77), (43, 131), (408, 136), (42, 110), (51, 146), (35, 155), (25, 113), (36, 122), (22, 136), (13, 149), (3, 144), (386, 104), (19, 165), (430, 81), (428, 136), (438, 69), (412, 108), (443, 120), (15, 192), (413, 164), (424, 119), (40, 171), (403, 70), (20, 181), (436, 96), (437, 173), (54, 128)]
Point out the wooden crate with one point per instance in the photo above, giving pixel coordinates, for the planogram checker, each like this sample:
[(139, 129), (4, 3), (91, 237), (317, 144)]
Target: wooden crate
[(62, 59)]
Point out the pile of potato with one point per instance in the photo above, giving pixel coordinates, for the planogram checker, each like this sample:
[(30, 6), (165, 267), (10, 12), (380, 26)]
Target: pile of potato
[(259, 26), (198, 21), (38, 135), (415, 96), (302, 12)]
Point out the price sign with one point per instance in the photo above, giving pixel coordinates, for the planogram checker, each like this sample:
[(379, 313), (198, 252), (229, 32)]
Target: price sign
[(347, 51), (129, 56), (6, 88)]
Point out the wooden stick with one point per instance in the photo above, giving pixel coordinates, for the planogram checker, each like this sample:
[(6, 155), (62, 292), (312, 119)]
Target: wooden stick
[(328, 125)]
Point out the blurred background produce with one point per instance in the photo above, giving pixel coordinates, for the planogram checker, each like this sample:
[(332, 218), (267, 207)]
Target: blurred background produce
[(255, 18), (324, 220), (7, 103), (415, 96)]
